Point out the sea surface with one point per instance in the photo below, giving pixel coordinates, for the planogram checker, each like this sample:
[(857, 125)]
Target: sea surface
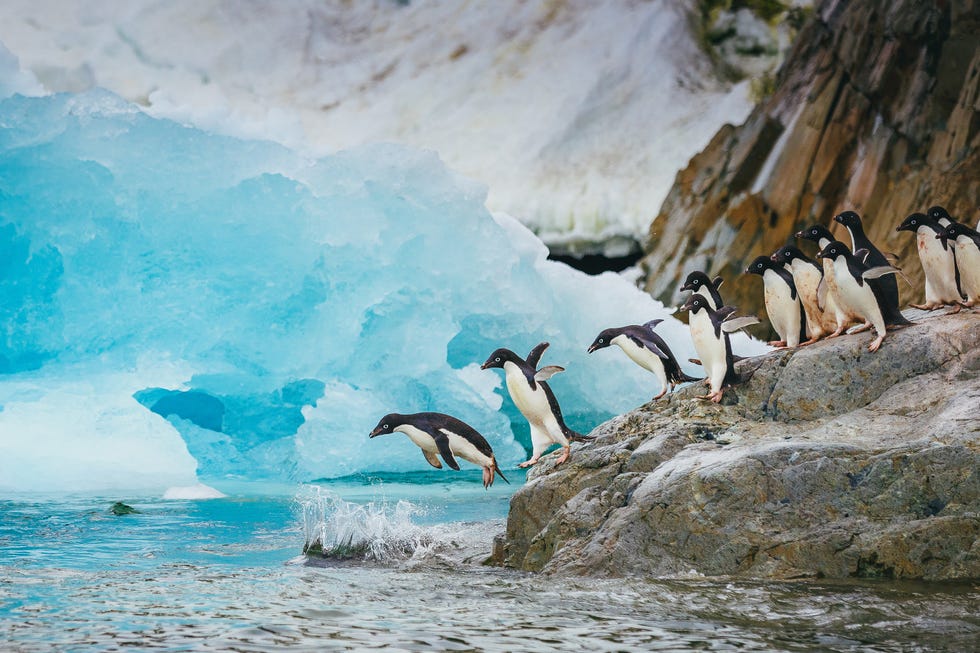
[(229, 574)]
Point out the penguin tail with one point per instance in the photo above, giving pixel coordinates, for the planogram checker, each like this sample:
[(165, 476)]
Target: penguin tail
[(497, 471), (684, 378), (575, 436)]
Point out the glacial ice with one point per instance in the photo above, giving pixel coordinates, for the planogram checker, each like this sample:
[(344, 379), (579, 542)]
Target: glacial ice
[(180, 307)]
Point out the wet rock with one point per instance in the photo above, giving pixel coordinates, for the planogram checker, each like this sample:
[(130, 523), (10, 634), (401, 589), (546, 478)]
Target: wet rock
[(827, 461)]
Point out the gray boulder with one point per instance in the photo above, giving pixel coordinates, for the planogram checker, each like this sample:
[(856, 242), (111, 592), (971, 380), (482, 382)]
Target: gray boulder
[(829, 461)]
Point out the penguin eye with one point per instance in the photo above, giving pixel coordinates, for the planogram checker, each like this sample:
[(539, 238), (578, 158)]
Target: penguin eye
[(497, 359), (385, 427), (813, 231), (601, 340)]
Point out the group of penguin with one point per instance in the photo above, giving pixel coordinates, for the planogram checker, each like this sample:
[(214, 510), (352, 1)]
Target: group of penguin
[(805, 301)]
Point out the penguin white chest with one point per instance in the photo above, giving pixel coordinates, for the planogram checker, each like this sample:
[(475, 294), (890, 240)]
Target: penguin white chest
[(640, 355), (858, 298), (420, 438), (783, 309), (466, 450), (968, 261), (938, 265), (533, 404)]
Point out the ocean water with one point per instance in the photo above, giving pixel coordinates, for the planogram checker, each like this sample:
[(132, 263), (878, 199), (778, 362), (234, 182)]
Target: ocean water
[(228, 574)]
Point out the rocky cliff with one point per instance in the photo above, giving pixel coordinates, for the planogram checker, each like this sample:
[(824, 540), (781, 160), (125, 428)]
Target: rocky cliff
[(828, 461), (875, 109)]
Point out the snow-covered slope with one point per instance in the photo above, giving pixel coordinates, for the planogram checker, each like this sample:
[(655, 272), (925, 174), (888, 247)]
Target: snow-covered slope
[(577, 114)]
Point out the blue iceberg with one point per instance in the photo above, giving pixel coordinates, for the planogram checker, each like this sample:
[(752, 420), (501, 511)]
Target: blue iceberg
[(178, 306)]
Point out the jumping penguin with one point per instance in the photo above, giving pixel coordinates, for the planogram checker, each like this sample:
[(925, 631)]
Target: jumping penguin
[(536, 401), (647, 349), (967, 244), (828, 294), (783, 305), (436, 433), (709, 331), (857, 294), (699, 282), (938, 261), (874, 258), (807, 275)]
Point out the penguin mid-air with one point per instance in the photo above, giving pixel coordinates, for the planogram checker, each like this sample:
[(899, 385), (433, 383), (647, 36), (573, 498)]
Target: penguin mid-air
[(709, 331), (701, 284), (647, 349), (436, 433), (808, 275), (536, 401), (938, 261), (874, 259), (857, 294), (967, 244), (783, 305), (828, 293)]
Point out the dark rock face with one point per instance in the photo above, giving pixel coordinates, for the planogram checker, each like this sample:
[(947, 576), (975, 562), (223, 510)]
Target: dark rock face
[(828, 462), (876, 109)]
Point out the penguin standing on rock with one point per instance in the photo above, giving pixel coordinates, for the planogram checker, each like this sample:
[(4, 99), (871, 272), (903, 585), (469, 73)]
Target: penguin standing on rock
[(647, 349), (709, 331), (938, 261), (967, 244), (857, 294), (828, 293), (783, 305), (536, 401), (807, 275), (874, 258), (436, 433)]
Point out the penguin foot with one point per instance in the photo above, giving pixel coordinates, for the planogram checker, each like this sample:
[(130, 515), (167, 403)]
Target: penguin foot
[(662, 393), (861, 329), (957, 307), (487, 477), (840, 331), (776, 343), (876, 343), (925, 307), (566, 452), (528, 463), (810, 341)]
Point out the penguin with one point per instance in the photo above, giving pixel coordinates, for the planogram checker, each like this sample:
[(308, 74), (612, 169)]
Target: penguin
[(874, 258), (938, 261), (647, 349), (857, 294), (966, 242), (828, 292), (783, 305), (536, 401), (699, 282), (436, 433), (807, 275), (709, 331)]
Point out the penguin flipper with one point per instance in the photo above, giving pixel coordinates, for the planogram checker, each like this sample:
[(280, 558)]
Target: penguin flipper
[(652, 324), (862, 254), (432, 459), (547, 372), (734, 324), (535, 355), (442, 442), (879, 271), (643, 343), (716, 282), (822, 288)]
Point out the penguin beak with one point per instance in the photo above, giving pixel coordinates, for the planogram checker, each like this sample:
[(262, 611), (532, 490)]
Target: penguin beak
[(686, 286), (799, 234), (485, 365), (687, 305), (376, 431), (592, 347)]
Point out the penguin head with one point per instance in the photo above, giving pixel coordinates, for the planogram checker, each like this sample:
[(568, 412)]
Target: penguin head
[(498, 358), (695, 281), (695, 303), (952, 231), (834, 250), (786, 255), (848, 219), (938, 213), (759, 265), (815, 233), (604, 339), (388, 424), (913, 222)]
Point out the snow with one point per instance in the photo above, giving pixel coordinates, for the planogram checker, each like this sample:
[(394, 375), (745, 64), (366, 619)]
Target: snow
[(576, 115), (180, 307)]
